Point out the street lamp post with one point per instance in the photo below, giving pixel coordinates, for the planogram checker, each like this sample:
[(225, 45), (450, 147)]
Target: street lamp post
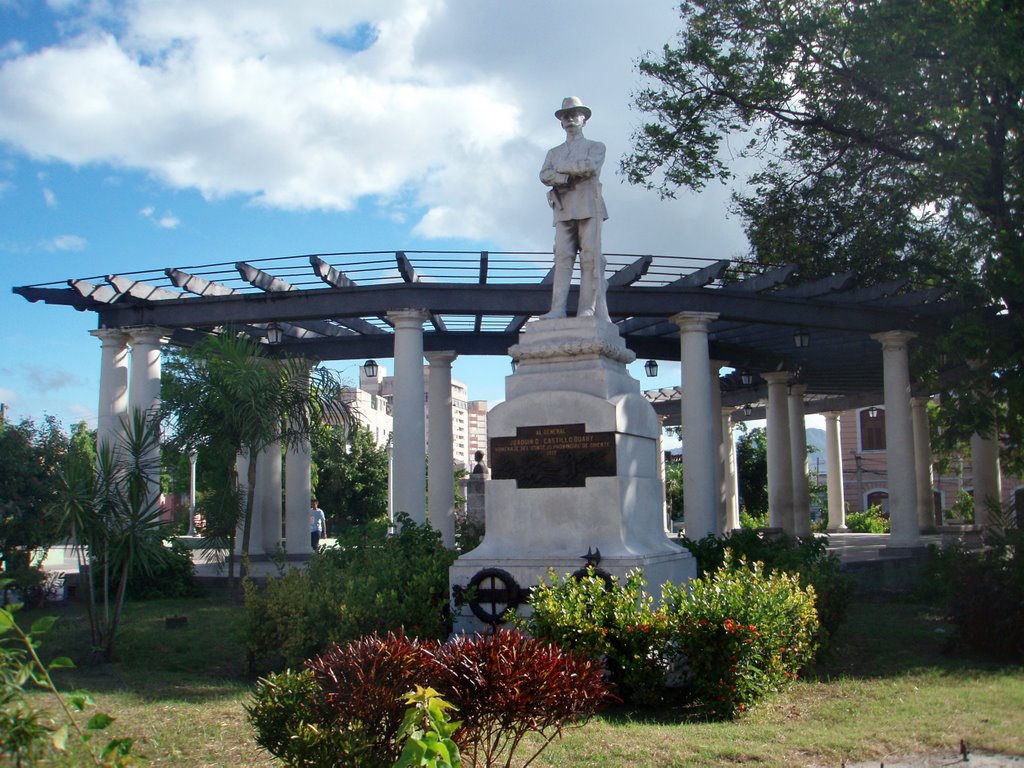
[(192, 456)]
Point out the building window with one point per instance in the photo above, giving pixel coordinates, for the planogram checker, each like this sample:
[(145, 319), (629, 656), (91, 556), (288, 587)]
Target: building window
[(879, 498), (872, 429)]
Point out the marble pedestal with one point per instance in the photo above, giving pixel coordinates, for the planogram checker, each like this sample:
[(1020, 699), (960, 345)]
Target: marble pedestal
[(573, 453)]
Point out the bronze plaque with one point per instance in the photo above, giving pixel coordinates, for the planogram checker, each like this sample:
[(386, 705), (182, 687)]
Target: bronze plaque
[(556, 456)]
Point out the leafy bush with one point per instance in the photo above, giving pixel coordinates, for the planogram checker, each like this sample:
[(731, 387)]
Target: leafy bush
[(291, 722), (985, 596), (349, 706), (871, 521), (370, 582), (748, 521), (610, 621), (25, 732), (506, 684), (744, 632), (808, 557), (427, 730), (963, 507), (172, 575)]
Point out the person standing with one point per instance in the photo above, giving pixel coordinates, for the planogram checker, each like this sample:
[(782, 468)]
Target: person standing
[(572, 170), (317, 525)]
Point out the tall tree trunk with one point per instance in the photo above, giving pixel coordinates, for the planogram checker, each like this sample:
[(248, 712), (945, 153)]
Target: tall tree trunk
[(122, 585), (250, 497)]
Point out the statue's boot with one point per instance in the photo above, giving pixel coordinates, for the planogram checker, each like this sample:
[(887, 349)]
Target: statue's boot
[(559, 294), (588, 294)]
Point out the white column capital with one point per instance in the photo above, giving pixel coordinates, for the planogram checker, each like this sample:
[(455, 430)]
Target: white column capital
[(148, 334), (894, 340), (693, 321), (110, 336), (407, 318), (441, 357), (797, 390), (777, 377)]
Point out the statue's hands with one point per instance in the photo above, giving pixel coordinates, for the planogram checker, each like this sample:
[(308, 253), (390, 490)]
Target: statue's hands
[(579, 169)]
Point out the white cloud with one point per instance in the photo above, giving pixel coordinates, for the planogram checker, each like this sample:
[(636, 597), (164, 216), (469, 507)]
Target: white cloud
[(66, 243), (48, 379), (316, 104), (8, 396), (11, 48), (49, 197), (167, 221)]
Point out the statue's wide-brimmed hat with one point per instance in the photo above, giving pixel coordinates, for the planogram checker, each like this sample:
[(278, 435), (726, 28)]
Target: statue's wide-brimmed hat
[(572, 104)]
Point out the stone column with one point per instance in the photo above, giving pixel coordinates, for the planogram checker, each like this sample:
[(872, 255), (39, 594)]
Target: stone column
[(780, 457), (666, 513), (922, 463), (834, 459), (242, 470), (410, 431), (144, 386), (298, 493), (700, 493), (798, 449), (144, 393), (113, 401), (899, 438), (985, 471), (718, 432), (440, 481), (268, 499), (731, 478)]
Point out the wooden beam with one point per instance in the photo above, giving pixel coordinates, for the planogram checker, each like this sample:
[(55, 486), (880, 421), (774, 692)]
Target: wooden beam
[(405, 268), (631, 272), (329, 274), (104, 294), (140, 290), (197, 285), (766, 280), (520, 320), (701, 277)]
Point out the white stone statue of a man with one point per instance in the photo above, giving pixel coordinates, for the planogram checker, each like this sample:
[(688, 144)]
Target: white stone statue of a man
[(573, 172)]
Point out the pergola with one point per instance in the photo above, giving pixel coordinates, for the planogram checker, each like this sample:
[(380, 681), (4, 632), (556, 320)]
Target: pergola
[(334, 307), (792, 347)]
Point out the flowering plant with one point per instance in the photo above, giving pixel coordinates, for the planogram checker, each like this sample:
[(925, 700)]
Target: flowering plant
[(609, 620), (745, 633)]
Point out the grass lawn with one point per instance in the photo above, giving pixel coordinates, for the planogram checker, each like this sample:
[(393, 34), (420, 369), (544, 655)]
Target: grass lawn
[(888, 689)]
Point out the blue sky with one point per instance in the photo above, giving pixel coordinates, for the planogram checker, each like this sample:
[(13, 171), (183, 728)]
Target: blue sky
[(141, 135)]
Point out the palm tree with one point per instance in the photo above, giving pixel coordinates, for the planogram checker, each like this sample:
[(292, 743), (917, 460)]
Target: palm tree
[(114, 520), (225, 394)]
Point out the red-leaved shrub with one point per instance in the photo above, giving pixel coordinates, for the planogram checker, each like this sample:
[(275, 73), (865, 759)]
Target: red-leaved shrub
[(507, 684), (363, 684)]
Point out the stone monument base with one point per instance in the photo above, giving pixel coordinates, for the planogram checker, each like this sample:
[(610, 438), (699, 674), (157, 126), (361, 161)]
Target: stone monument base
[(574, 460)]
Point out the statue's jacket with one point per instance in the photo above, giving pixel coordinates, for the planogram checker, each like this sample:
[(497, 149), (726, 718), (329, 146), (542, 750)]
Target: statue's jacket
[(572, 170)]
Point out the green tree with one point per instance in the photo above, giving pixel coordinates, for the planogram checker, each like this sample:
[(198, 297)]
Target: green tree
[(225, 393), (892, 135), (752, 470), (114, 519), (351, 476), (674, 489), (29, 456)]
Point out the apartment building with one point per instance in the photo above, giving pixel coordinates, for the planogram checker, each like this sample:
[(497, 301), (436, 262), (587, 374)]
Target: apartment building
[(866, 470)]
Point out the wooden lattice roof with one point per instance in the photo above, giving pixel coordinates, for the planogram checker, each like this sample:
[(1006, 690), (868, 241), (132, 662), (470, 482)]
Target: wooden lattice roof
[(333, 307)]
